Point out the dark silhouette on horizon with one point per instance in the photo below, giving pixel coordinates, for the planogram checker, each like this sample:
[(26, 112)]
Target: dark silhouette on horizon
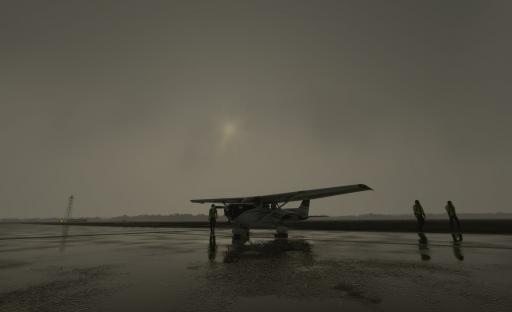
[(419, 213), (212, 217), (244, 212), (455, 227)]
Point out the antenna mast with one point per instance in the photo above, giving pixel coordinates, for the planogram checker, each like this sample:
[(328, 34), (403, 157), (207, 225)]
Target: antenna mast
[(70, 207)]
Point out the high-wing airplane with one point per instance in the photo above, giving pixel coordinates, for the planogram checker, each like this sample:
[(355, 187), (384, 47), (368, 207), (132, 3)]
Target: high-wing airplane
[(247, 212)]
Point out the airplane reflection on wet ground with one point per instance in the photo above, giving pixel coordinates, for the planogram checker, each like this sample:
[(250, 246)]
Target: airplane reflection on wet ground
[(56, 268)]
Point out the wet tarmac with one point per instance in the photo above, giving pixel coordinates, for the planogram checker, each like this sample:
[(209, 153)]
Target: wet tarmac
[(77, 268)]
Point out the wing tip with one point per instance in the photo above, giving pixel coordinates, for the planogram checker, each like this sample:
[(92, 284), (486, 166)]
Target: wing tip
[(365, 187)]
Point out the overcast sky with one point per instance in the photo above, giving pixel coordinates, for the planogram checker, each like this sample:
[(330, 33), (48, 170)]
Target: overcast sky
[(136, 107)]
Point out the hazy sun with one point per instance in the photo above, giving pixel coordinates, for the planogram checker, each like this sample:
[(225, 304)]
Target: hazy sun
[(229, 130)]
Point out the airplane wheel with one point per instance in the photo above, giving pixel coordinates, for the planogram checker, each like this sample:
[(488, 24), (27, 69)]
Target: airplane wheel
[(240, 235)]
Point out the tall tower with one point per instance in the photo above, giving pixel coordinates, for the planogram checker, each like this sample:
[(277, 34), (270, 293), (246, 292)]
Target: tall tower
[(70, 207)]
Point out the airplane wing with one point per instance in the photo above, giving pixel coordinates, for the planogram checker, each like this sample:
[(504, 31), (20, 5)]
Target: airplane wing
[(291, 196), (227, 200), (314, 194)]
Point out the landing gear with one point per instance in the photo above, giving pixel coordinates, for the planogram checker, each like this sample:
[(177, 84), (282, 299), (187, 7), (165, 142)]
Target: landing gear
[(281, 232), (240, 235)]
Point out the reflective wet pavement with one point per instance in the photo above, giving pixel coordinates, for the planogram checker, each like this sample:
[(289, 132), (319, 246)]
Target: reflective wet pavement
[(81, 268)]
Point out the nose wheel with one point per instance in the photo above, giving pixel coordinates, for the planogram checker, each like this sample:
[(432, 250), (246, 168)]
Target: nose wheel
[(240, 235)]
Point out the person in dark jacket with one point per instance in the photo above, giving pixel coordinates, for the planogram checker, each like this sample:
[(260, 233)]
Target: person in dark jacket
[(212, 217), (455, 228), (419, 213)]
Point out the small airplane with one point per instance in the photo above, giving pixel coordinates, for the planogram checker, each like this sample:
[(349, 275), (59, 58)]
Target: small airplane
[(250, 211)]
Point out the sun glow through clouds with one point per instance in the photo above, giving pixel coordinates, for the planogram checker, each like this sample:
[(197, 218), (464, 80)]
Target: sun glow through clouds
[(229, 131)]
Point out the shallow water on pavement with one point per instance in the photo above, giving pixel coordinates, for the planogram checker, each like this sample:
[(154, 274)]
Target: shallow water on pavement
[(85, 268)]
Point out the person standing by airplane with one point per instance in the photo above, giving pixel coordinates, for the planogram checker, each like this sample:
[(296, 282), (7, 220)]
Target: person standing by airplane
[(454, 222), (212, 217), (420, 217)]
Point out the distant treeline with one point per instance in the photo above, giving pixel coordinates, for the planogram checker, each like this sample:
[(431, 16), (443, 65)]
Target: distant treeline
[(202, 217), (434, 216), (124, 218)]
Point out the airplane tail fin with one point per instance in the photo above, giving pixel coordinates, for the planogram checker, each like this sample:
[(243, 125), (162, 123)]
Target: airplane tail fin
[(304, 208)]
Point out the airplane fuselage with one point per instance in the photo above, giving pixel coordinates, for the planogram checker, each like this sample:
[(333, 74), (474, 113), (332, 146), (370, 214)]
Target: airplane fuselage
[(249, 215)]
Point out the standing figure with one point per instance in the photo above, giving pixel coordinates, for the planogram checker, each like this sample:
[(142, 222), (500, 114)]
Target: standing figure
[(212, 217), (454, 222), (420, 217)]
